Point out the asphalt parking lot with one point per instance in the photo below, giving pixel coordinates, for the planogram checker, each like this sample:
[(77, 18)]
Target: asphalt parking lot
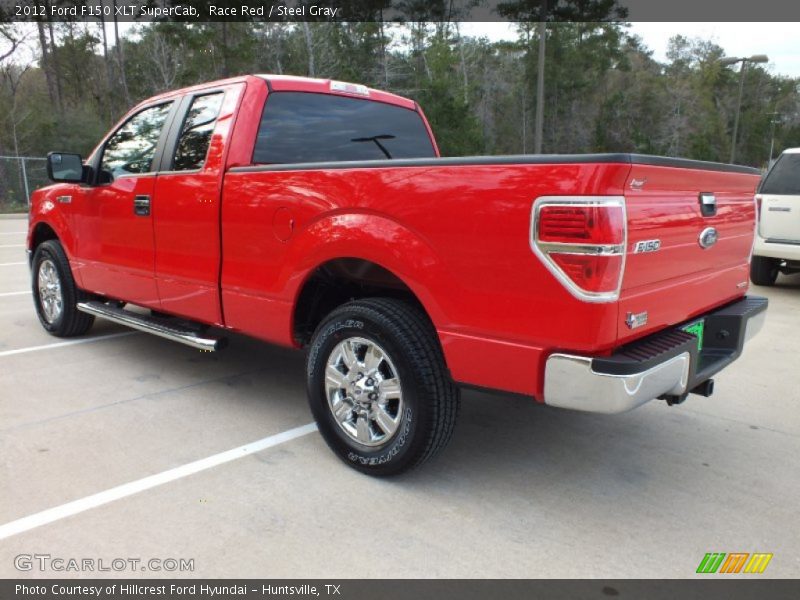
[(522, 491)]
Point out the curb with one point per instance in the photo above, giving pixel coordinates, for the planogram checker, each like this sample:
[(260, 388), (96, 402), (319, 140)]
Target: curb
[(13, 216)]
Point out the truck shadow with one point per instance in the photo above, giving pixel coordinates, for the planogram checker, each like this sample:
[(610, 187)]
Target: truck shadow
[(534, 454)]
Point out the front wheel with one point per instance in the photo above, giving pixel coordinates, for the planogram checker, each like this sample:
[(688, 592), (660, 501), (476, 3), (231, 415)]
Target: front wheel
[(378, 386), (764, 270), (55, 293)]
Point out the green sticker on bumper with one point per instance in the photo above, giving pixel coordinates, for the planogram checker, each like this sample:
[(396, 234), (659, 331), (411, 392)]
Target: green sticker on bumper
[(696, 329)]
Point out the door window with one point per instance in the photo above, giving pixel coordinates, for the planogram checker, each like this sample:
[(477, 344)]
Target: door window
[(196, 133), (132, 147)]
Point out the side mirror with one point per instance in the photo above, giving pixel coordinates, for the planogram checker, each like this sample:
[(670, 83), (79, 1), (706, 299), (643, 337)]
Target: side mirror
[(65, 168)]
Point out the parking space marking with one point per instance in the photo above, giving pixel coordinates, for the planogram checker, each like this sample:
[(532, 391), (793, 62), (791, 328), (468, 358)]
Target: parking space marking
[(12, 245), (12, 264), (14, 293), (68, 343), (134, 487)]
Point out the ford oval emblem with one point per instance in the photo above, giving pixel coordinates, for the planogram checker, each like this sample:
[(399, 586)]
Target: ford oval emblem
[(708, 237)]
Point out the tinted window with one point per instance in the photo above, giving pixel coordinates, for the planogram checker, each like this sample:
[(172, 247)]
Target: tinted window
[(301, 127), (132, 147), (784, 178), (196, 134)]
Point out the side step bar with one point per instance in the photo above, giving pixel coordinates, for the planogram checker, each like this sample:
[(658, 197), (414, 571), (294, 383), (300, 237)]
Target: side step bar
[(175, 330)]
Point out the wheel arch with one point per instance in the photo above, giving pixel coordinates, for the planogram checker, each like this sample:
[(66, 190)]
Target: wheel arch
[(356, 254), (337, 281)]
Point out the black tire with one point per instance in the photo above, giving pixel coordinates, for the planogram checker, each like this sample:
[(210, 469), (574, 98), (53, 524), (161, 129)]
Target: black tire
[(764, 270), (430, 400), (70, 322)]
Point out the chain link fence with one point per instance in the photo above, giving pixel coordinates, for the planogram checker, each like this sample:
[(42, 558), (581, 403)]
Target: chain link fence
[(19, 177)]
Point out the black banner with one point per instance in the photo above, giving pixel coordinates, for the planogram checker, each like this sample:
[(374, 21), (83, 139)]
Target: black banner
[(260, 589)]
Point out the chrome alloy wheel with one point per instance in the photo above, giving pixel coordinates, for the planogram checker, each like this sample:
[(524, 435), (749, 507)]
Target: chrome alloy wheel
[(50, 296), (363, 391)]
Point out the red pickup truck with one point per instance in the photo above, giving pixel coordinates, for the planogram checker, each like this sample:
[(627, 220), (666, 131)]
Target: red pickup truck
[(318, 214)]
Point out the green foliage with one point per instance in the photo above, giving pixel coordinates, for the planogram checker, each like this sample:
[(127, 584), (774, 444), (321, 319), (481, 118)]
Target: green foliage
[(603, 90)]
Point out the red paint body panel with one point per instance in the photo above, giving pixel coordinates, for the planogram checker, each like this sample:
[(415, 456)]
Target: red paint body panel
[(114, 247), (185, 215), (668, 208), (461, 245), (234, 248)]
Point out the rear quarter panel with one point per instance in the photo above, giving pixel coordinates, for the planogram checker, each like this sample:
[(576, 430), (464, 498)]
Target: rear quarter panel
[(458, 236)]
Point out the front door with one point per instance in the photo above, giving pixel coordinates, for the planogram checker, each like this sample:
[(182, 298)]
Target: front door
[(115, 244)]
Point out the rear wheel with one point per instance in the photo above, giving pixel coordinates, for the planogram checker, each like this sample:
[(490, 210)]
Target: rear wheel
[(378, 386), (55, 293), (764, 270)]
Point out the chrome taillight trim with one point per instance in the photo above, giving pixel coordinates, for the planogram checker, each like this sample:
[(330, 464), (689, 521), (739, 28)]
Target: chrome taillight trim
[(595, 249), (544, 249)]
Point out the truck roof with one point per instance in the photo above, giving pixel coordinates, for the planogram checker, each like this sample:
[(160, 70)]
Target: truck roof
[(291, 83)]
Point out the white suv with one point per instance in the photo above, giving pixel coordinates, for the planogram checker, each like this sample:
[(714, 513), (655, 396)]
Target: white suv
[(777, 246)]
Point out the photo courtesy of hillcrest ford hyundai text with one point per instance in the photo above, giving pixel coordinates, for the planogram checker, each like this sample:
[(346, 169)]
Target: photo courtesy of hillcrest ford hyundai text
[(317, 214)]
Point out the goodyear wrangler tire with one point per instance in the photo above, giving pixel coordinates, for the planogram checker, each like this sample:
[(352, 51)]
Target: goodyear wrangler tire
[(55, 293), (378, 386)]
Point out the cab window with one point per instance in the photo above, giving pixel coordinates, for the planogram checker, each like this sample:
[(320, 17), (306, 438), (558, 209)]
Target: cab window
[(300, 127)]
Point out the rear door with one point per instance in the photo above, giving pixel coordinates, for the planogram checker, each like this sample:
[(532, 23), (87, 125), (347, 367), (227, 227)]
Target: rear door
[(187, 209), (780, 201)]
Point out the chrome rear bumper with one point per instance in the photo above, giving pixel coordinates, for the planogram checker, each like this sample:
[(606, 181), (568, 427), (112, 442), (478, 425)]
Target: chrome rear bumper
[(667, 364), (570, 382)]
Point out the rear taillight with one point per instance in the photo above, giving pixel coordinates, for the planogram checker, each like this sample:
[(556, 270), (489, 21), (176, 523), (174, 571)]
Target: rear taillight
[(581, 240), (757, 227), (758, 209)]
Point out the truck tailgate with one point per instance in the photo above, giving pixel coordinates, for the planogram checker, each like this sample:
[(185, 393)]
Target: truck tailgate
[(681, 262)]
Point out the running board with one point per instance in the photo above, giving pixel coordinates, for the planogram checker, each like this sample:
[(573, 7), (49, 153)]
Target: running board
[(178, 331)]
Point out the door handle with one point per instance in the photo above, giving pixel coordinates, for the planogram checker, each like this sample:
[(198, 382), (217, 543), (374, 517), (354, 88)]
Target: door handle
[(141, 206)]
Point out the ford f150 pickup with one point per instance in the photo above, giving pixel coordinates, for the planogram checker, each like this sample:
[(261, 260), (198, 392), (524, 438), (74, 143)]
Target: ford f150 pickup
[(318, 214)]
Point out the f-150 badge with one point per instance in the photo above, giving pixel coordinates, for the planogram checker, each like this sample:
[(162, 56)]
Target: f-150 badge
[(646, 246)]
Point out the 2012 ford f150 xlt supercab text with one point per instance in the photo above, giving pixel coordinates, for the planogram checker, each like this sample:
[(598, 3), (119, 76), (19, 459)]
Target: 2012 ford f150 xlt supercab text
[(318, 214)]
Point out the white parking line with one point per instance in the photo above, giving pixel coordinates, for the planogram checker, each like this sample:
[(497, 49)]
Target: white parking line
[(4, 294), (12, 246), (68, 343), (12, 233), (134, 487), (12, 264)]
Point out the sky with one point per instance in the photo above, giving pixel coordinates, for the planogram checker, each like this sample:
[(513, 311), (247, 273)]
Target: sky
[(779, 41)]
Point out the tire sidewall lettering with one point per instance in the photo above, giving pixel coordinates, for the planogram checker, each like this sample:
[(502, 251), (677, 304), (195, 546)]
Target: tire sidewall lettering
[(333, 334), (392, 451)]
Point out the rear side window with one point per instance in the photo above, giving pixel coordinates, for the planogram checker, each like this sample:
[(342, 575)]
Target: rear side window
[(784, 178), (196, 133), (299, 127)]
